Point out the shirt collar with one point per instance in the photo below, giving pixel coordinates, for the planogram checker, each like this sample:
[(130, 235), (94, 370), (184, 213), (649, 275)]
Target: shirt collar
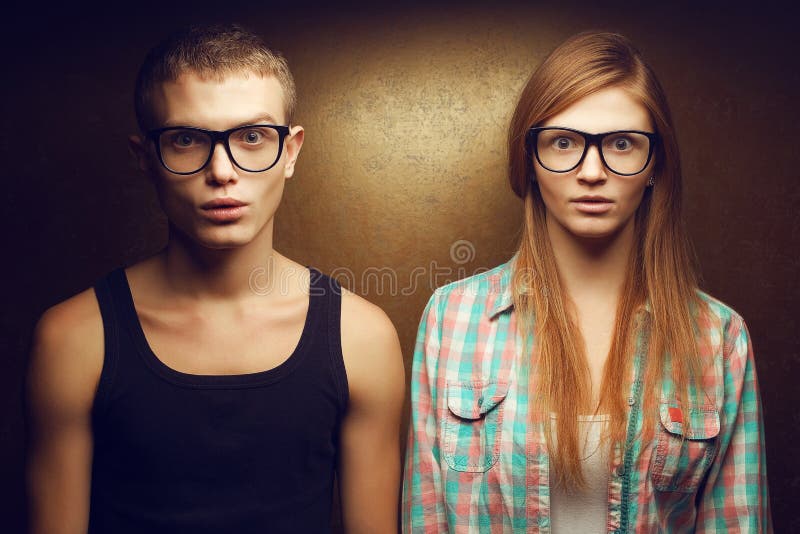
[(501, 298)]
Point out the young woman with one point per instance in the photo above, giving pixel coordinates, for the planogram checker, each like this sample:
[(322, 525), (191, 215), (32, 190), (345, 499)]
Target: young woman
[(587, 385)]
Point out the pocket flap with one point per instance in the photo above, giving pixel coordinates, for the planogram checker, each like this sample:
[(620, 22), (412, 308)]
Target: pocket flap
[(471, 400), (703, 421)]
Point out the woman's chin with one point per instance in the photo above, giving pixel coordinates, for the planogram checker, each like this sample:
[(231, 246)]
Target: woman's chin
[(595, 232)]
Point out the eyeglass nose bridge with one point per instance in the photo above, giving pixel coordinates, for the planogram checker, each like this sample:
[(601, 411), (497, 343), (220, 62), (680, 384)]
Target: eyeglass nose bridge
[(592, 140), (216, 138)]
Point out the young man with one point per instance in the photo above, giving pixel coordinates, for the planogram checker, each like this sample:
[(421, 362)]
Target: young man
[(217, 386)]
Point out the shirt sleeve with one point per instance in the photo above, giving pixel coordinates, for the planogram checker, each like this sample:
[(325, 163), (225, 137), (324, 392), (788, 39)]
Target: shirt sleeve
[(736, 498), (423, 509)]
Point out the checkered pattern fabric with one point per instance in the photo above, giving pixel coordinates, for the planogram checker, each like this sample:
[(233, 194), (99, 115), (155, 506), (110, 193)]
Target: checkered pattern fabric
[(475, 464)]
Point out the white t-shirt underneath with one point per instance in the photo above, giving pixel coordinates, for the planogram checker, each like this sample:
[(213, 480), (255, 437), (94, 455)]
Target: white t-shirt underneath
[(584, 511)]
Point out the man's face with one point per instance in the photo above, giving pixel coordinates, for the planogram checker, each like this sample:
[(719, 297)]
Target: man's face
[(237, 100)]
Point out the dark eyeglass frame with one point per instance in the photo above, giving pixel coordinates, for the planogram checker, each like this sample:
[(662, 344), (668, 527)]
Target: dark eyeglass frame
[(218, 137), (589, 140)]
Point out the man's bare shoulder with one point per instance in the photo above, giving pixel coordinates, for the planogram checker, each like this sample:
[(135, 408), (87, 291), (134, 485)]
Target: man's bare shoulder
[(371, 348), (364, 323), (73, 323), (67, 351)]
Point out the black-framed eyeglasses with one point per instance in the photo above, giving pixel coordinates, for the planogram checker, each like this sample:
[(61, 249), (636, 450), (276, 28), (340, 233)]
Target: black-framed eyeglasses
[(623, 152), (187, 150)]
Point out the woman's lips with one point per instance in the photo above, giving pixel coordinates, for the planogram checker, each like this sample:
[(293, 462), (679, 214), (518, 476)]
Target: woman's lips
[(592, 206)]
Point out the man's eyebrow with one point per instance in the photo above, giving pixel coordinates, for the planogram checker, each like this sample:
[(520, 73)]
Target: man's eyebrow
[(261, 118)]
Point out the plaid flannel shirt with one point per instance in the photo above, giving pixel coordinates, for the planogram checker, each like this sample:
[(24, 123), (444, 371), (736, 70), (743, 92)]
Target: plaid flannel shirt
[(475, 464)]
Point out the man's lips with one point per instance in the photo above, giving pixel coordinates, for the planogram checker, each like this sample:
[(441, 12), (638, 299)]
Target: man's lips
[(224, 210), (219, 203)]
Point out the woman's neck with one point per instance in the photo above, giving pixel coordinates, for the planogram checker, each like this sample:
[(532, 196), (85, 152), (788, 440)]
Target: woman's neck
[(591, 269)]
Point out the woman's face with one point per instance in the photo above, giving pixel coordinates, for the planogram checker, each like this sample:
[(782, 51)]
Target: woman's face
[(592, 201)]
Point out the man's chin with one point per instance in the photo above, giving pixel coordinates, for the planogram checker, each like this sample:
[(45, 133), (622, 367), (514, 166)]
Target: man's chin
[(216, 238), (221, 246), (221, 243)]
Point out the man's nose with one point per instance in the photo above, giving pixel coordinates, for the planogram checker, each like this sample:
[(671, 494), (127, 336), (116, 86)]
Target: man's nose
[(592, 168), (220, 169)]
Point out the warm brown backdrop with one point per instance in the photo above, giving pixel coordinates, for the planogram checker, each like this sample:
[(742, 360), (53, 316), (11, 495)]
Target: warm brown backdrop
[(405, 111)]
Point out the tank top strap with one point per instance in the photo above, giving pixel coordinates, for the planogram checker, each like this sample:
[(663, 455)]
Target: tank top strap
[(111, 301), (329, 292)]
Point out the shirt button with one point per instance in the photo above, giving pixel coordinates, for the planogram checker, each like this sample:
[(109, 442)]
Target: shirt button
[(620, 470), (631, 402), (480, 401)]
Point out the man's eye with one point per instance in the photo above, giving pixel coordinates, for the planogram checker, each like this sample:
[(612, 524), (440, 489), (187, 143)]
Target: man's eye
[(184, 139), (252, 136)]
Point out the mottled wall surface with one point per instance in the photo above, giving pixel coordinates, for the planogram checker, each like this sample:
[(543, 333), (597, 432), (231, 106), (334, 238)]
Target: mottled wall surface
[(401, 184)]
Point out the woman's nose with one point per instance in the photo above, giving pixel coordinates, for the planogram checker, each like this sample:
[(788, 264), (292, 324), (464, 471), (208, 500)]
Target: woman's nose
[(592, 167)]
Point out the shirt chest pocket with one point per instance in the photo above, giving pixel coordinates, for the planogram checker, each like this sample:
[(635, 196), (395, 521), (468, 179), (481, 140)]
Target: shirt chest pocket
[(683, 453), (473, 424)]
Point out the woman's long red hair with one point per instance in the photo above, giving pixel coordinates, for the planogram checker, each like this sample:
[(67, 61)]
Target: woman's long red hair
[(661, 270)]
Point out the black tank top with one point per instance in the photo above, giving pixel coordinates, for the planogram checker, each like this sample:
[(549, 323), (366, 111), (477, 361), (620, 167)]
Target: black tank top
[(176, 452)]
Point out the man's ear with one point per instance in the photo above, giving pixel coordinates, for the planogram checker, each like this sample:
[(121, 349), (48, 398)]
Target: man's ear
[(138, 147), (292, 146)]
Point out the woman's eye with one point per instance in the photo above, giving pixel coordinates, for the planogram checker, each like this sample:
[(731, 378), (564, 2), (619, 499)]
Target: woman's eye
[(622, 144), (562, 143)]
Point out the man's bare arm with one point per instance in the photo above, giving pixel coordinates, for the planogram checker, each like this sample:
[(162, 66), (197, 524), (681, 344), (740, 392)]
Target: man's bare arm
[(65, 366), (369, 472)]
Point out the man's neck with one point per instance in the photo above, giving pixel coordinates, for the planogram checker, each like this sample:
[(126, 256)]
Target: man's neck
[(233, 274), (592, 270)]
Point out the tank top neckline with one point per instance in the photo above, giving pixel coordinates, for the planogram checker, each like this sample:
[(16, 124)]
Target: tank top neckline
[(233, 381)]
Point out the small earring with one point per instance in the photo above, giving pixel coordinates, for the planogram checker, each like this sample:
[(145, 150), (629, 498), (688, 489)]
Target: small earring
[(652, 181)]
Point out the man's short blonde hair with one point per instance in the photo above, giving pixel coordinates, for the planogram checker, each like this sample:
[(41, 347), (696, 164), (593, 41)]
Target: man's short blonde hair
[(213, 52)]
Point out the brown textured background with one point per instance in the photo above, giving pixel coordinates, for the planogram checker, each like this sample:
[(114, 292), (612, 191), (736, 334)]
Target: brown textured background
[(403, 167)]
